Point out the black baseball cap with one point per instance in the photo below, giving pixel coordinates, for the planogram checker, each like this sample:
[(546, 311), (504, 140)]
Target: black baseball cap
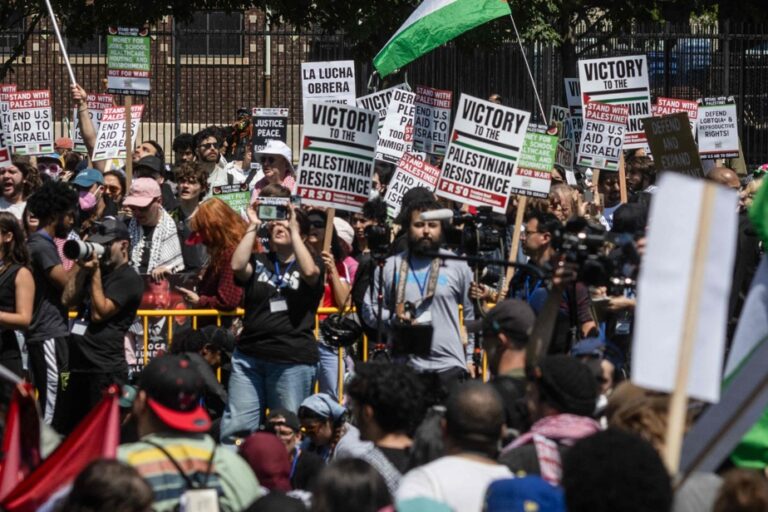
[(174, 389), (291, 420), (513, 317), (153, 163), (109, 230)]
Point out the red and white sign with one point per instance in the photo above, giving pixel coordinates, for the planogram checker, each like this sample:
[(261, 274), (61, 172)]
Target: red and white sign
[(411, 172), (31, 123)]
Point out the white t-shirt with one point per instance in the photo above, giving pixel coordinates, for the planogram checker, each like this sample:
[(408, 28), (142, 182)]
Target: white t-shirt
[(458, 482), (17, 209)]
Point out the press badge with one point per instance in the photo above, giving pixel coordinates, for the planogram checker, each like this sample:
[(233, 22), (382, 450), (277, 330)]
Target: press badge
[(79, 327), (199, 500), (278, 305)]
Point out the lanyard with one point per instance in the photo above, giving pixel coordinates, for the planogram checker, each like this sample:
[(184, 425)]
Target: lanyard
[(529, 294), (422, 286), (279, 275), (296, 455)]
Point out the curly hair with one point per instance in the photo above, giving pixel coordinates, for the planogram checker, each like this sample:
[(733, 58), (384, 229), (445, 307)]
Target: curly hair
[(395, 393), (742, 490), (194, 173), (54, 198), (221, 228), (208, 131)]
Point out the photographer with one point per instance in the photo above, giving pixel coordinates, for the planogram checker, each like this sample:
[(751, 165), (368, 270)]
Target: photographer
[(107, 291), (425, 291)]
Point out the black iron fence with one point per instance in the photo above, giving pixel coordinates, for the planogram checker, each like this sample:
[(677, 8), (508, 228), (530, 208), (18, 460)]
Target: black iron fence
[(201, 76)]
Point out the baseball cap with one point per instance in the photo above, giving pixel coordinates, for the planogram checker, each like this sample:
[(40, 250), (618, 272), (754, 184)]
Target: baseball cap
[(87, 177), (108, 230), (143, 191), (50, 156), (174, 388), (524, 495), (152, 163), (569, 384), (513, 317), (64, 143), (291, 420), (277, 147), (344, 230)]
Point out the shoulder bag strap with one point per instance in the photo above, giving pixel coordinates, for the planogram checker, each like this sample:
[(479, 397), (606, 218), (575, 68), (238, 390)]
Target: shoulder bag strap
[(189, 482)]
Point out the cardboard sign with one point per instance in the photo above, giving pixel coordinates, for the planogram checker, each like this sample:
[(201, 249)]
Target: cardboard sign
[(667, 106), (479, 167), (110, 139), (619, 81), (665, 282), (411, 172), (604, 129), (332, 82), (566, 150), (672, 144), (717, 129), (31, 124), (433, 120), (396, 136), (237, 197), (5, 112), (379, 101), (128, 61), (533, 175), (96, 106), (336, 162)]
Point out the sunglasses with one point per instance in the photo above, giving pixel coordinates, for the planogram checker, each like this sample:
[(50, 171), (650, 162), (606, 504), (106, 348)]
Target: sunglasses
[(209, 145), (112, 189), (48, 167), (268, 160)]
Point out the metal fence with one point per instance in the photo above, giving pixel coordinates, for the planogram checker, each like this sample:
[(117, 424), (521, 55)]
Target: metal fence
[(201, 76)]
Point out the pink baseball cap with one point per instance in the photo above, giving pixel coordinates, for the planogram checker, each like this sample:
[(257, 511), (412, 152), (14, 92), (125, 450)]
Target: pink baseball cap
[(143, 191), (64, 143)]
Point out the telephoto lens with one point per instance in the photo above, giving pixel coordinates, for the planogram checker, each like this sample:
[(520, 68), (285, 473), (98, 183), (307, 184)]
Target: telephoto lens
[(79, 250)]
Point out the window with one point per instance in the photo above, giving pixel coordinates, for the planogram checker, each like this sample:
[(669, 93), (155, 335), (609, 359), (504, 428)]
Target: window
[(212, 33), (13, 35), (96, 45)]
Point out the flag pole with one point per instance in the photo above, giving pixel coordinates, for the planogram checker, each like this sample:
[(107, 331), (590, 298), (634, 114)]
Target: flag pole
[(61, 42), (528, 68)]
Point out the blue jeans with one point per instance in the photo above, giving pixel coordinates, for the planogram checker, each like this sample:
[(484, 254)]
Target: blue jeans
[(328, 370), (256, 385)]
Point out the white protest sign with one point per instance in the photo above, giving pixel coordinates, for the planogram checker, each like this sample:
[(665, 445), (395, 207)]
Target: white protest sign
[(96, 106), (411, 172), (566, 149), (379, 101), (31, 123), (332, 81), (336, 162), (717, 129), (396, 136), (573, 97), (110, 139), (5, 112), (619, 81), (601, 142), (433, 119), (479, 167), (665, 281)]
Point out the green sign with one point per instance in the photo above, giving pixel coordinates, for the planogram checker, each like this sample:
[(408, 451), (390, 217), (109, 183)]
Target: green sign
[(538, 152), (128, 62), (237, 197)]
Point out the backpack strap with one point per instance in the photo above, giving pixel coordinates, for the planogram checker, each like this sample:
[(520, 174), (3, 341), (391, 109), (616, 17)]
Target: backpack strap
[(189, 482)]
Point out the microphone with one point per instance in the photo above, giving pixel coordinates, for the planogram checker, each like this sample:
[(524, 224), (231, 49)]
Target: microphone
[(442, 214)]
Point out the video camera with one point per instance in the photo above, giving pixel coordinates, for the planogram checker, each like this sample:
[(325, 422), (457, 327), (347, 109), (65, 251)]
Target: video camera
[(479, 233), (604, 258)]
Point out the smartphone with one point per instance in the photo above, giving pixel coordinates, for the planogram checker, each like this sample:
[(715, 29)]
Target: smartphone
[(272, 212)]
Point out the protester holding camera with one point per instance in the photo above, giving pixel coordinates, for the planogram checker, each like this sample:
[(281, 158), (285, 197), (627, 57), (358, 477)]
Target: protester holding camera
[(107, 292), (274, 362), (425, 292), (17, 291)]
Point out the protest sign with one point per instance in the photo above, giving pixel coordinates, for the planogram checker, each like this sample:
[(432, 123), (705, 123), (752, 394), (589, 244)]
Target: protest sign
[(128, 61), (96, 106), (379, 101), (717, 129), (5, 112), (31, 124), (336, 162), (110, 139), (433, 119), (396, 136), (603, 136), (269, 124), (573, 97), (411, 172), (672, 144), (479, 167), (674, 243), (619, 81), (237, 197), (534, 168), (332, 82), (566, 150), (667, 106)]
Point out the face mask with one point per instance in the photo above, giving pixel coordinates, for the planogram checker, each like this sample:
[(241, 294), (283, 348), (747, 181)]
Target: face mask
[(87, 201), (373, 194)]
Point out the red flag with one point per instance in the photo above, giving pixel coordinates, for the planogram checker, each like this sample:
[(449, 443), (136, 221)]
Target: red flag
[(96, 437), (21, 440)]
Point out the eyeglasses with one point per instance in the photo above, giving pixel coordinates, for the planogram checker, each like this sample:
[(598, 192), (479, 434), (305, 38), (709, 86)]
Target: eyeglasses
[(209, 145), (268, 160)]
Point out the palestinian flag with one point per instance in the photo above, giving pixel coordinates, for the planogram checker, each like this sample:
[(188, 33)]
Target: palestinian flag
[(434, 23), (337, 148), (621, 97), (483, 146)]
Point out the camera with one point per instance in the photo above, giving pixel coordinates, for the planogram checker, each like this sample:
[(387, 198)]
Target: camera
[(480, 233), (379, 239), (79, 250), (275, 208)]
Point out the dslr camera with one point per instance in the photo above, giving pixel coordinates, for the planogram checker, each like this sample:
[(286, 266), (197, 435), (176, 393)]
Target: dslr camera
[(79, 250)]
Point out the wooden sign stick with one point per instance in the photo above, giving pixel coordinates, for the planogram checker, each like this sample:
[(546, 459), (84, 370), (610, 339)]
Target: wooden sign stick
[(128, 142), (622, 179), (330, 213), (522, 201)]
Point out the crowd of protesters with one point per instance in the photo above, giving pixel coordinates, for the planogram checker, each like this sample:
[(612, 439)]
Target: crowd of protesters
[(268, 412)]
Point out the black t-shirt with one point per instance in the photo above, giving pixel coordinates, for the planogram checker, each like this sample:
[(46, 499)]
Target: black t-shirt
[(101, 348), (195, 256), (398, 457), (148, 231), (308, 467), (49, 319), (283, 336)]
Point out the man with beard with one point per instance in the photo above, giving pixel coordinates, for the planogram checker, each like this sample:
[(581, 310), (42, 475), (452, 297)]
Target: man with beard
[(54, 205), (424, 292), (12, 179), (107, 292)]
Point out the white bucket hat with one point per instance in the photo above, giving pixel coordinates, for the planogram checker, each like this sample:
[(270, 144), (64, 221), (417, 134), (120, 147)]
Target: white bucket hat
[(277, 147)]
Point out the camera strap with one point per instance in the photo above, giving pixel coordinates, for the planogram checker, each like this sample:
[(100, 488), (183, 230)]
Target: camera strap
[(405, 266)]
